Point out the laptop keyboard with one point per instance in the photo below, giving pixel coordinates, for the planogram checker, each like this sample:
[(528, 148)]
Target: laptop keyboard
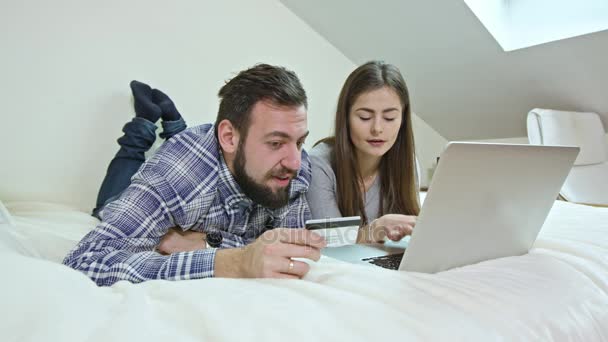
[(391, 261)]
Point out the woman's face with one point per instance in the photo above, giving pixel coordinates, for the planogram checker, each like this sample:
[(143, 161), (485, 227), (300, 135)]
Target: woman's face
[(375, 118)]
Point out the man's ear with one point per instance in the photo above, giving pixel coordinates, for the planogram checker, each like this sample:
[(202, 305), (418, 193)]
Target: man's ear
[(228, 136)]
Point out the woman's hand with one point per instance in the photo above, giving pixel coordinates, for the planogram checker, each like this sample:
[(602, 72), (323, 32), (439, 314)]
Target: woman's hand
[(393, 226), (177, 240)]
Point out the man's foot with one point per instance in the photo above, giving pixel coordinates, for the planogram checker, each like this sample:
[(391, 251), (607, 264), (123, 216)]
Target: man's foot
[(142, 101), (169, 111)]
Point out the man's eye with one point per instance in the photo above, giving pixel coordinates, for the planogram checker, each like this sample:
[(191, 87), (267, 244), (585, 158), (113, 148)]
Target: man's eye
[(275, 144), (300, 144)]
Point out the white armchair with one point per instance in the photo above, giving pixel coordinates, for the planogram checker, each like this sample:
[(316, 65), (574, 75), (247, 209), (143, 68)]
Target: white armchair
[(587, 182)]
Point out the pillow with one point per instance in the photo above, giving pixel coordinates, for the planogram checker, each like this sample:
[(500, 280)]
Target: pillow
[(47, 230), (9, 240), (5, 216)]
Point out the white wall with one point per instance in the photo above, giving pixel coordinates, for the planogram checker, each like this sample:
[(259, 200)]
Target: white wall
[(66, 66), (429, 145), (461, 81), (515, 140)]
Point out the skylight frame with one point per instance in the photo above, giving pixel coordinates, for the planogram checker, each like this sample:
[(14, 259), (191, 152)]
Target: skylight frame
[(518, 24)]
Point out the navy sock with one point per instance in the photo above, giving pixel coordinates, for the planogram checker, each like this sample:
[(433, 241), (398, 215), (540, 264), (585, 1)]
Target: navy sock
[(169, 111), (142, 101)]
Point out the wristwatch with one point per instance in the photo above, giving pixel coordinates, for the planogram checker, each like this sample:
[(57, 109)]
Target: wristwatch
[(214, 239)]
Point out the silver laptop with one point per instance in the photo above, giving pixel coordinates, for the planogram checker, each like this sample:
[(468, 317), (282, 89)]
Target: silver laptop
[(485, 201)]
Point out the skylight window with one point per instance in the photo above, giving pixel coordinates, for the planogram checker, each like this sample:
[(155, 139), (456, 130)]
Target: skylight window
[(516, 24)]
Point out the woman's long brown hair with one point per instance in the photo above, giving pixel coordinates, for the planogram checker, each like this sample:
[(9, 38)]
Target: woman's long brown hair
[(397, 169)]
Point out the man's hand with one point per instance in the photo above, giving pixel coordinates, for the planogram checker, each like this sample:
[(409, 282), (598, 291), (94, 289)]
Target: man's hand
[(393, 226), (177, 240), (270, 255)]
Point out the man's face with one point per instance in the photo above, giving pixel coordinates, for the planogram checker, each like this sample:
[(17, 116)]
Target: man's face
[(270, 156)]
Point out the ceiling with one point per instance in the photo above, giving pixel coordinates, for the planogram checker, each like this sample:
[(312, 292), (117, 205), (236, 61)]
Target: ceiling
[(461, 82)]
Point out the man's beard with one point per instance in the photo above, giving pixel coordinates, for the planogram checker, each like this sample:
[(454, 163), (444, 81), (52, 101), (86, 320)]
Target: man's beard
[(259, 193)]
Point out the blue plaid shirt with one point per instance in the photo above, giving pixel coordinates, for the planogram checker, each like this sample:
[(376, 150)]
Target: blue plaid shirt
[(187, 184)]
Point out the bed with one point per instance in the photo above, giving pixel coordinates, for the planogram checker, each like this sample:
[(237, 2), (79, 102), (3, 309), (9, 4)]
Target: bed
[(557, 292)]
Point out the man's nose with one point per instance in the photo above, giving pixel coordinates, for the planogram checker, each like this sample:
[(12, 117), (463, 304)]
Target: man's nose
[(293, 159)]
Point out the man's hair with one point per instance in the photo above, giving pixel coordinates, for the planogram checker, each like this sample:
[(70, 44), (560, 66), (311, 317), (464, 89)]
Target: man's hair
[(261, 82)]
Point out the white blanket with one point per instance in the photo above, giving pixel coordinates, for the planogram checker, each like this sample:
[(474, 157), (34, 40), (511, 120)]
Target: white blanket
[(559, 291)]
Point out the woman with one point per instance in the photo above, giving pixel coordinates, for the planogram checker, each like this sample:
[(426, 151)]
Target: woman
[(368, 167)]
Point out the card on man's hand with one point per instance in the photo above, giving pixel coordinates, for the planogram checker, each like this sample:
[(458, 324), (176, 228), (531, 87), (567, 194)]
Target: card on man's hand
[(338, 231)]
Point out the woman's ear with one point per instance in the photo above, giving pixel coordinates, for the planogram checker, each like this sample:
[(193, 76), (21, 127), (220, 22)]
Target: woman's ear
[(228, 137)]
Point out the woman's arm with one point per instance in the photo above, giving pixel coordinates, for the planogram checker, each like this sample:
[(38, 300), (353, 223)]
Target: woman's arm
[(321, 195)]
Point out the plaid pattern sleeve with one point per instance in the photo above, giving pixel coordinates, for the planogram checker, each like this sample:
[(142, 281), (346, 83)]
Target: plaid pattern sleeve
[(180, 177), (122, 246)]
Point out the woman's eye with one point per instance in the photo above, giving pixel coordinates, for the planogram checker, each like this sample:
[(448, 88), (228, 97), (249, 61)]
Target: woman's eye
[(364, 118), (389, 119)]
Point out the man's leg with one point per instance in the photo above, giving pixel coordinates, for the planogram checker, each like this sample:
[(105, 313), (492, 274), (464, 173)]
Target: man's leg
[(139, 135), (173, 122)]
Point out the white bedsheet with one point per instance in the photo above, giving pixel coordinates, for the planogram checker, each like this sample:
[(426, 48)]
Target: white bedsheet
[(559, 291)]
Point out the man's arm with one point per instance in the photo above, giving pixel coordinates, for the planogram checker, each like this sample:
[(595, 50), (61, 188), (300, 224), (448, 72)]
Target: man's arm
[(122, 246), (177, 240)]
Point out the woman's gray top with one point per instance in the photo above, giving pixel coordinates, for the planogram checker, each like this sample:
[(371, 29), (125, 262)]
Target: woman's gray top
[(321, 194)]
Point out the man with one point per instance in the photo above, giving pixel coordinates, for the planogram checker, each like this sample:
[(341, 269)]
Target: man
[(241, 181)]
